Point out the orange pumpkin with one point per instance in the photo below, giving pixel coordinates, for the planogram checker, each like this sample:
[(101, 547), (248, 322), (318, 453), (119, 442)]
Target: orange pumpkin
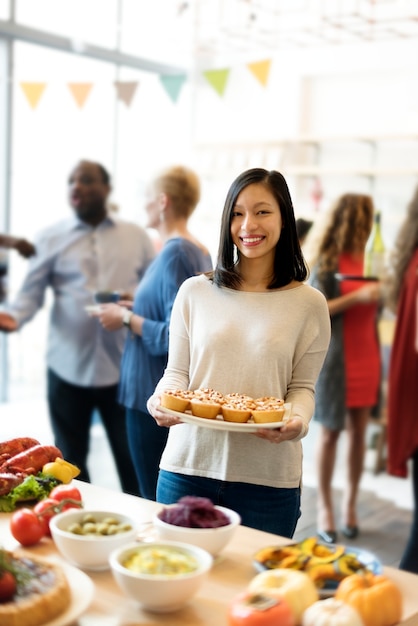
[(376, 598)]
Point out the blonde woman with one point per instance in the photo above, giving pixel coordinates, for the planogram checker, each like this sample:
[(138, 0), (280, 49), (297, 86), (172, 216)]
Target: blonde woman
[(171, 199)]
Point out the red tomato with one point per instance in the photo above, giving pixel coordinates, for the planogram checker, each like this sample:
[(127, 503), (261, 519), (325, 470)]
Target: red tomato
[(26, 527), (7, 586), (66, 492), (45, 509), (249, 609)]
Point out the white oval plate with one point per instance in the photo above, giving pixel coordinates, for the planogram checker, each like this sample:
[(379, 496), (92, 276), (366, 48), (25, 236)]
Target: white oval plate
[(82, 591), (218, 423)]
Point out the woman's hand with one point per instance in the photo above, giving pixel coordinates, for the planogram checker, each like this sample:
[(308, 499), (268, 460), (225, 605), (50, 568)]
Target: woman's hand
[(292, 429), (110, 316), (158, 413), (369, 293), (128, 304)]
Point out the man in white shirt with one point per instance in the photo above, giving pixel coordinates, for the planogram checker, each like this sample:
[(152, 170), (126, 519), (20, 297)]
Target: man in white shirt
[(91, 251)]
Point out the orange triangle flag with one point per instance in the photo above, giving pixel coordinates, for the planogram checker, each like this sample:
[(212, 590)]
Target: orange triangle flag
[(80, 91), (125, 91), (261, 70), (33, 92)]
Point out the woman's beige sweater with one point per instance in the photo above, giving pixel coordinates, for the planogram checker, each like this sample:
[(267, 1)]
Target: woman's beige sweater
[(262, 344)]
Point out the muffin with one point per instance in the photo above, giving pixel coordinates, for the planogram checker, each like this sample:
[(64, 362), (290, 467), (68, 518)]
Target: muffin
[(237, 407), (202, 408), (206, 403), (177, 400), (208, 395), (231, 413), (268, 409)]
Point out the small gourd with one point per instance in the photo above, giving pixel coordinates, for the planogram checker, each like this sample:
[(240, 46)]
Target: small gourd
[(292, 585), (331, 612), (376, 598)]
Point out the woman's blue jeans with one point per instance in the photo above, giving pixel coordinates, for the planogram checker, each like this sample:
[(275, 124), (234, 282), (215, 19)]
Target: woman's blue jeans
[(264, 508), (146, 444)]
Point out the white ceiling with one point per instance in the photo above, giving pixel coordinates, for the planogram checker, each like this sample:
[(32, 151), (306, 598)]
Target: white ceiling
[(184, 34), (225, 29)]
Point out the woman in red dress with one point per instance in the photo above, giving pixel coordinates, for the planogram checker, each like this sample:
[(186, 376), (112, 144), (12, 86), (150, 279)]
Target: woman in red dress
[(348, 386), (403, 369)]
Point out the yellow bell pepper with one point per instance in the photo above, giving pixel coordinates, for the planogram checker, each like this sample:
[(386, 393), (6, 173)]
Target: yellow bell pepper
[(62, 470)]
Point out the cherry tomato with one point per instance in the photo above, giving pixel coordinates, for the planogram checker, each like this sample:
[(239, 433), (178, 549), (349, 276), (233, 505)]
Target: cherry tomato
[(26, 527), (66, 492), (7, 586), (256, 609), (45, 509)]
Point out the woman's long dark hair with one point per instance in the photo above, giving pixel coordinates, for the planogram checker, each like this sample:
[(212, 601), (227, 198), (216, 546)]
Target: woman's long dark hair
[(289, 263)]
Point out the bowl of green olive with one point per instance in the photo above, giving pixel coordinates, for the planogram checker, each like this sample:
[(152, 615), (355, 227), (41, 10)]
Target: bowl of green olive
[(87, 538)]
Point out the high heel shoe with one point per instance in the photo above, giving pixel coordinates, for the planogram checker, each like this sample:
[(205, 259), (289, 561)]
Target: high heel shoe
[(351, 532), (328, 536)]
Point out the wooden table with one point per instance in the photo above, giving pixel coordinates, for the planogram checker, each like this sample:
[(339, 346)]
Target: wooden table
[(230, 574)]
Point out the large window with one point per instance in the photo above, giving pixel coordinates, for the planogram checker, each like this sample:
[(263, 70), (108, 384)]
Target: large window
[(132, 137)]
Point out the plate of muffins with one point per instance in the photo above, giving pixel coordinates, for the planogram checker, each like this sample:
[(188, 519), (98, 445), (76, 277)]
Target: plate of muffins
[(234, 412)]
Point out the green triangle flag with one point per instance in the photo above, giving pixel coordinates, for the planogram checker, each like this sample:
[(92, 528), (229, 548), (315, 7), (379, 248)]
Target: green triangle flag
[(217, 79), (173, 84)]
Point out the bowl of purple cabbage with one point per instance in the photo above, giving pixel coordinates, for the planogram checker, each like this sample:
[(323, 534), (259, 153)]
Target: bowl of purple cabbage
[(197, 521)]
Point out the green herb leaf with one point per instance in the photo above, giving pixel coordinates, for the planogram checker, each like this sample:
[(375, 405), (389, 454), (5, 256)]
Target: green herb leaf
[(32, 488)]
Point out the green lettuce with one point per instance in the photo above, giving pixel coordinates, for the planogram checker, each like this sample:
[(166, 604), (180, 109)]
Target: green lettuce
[(33, 488)]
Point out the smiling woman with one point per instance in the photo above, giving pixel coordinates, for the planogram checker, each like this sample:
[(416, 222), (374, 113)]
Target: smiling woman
[(256, 302)]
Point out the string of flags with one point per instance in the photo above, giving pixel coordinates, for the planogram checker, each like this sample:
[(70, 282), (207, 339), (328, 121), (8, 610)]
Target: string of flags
[(125, 90)]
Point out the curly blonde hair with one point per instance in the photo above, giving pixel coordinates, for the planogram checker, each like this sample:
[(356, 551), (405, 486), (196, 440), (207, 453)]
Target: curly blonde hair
[(348, 228), (405, 244)]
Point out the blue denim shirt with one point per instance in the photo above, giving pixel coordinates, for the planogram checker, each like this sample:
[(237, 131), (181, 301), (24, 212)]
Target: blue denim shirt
[(145, 357)]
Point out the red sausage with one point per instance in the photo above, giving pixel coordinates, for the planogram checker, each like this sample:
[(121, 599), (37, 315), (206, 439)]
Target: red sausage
[(15, 446), (31, 461)]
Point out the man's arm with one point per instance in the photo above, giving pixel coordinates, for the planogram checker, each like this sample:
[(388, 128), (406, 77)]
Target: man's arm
[(23, 246), (30, 297)]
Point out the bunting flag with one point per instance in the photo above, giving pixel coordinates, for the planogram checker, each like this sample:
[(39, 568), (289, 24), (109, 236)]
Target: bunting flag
[(33, 92), (173, 84), (80, 92), (125, 91), (261, 70), (217, 79)]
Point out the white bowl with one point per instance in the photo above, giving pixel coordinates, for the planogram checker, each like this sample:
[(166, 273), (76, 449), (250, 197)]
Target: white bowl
[(211, 539), (160, 593), (90, 552)]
